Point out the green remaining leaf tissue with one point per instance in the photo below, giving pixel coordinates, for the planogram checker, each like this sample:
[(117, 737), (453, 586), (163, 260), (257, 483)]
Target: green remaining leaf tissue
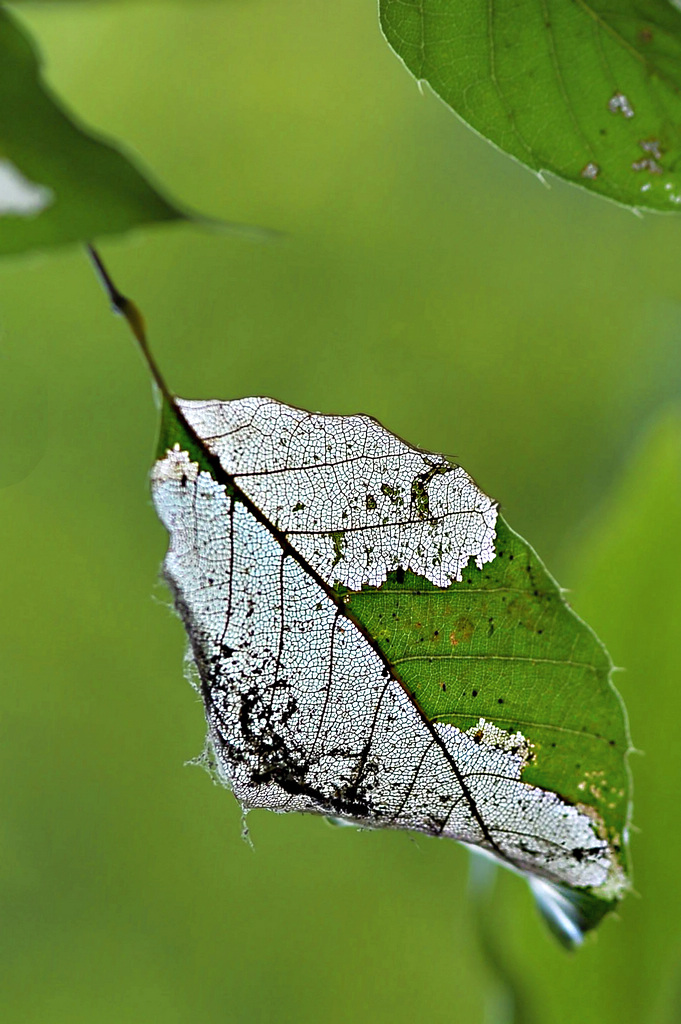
[(376, 645)]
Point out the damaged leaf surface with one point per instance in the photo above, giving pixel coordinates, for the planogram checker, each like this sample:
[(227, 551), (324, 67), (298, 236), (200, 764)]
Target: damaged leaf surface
[(587, 89), (376, 645)]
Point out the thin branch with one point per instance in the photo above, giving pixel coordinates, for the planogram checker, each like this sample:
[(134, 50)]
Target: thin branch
[(126, 308)]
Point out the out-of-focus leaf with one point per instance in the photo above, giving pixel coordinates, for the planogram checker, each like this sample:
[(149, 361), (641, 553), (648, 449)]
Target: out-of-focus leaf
[(587, 89), (58, 182)]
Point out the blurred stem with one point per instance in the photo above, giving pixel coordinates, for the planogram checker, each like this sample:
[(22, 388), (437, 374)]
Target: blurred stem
[(505, 1000), (126, 308)]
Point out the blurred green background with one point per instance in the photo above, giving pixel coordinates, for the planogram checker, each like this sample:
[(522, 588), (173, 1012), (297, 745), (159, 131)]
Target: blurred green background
[(531, 332)]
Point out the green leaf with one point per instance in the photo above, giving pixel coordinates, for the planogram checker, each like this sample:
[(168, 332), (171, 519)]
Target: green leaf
[(503, 645), (58, 183), (375, 645), (589, 90)]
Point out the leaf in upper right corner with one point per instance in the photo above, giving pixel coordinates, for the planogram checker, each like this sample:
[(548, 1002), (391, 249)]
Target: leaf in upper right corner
[(59, 183), (589, 90)]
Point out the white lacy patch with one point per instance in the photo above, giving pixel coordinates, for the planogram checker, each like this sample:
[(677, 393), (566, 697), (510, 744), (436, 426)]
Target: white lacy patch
[(18, 195), (353, 499)]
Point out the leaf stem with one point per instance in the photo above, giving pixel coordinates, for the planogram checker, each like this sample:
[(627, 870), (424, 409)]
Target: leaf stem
[(126, 308)]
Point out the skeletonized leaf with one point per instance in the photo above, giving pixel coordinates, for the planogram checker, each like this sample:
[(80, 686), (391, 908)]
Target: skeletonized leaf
[(375, 645), (587, 89)]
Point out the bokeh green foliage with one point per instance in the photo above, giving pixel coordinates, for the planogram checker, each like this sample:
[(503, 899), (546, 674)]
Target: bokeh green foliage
[(93, 188), (532, 334)]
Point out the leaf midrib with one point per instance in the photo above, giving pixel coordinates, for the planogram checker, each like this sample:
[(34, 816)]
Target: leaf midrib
[(225, 478)]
